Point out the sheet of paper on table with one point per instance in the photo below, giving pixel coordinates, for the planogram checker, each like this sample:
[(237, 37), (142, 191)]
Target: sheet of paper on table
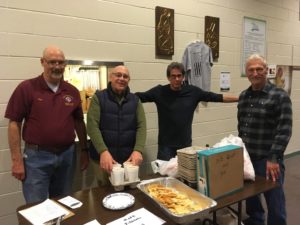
[(138, 217), (93, 222), (44, 212)]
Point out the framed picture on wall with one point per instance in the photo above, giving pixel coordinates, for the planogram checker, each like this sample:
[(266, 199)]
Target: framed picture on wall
[(164, 31), (212, 35)]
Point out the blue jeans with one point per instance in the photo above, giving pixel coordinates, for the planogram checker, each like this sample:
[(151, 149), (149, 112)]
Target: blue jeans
[(275, 200), (166, 153), (48, 175)]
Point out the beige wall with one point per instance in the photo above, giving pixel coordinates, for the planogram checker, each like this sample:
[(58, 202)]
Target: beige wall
[(122, 30)]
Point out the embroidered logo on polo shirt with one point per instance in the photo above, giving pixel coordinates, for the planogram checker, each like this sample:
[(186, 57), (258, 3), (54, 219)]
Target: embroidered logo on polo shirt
[(68, 100)]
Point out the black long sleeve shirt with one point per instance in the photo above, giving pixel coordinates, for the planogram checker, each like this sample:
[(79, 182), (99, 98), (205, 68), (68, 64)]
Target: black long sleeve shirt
[(176, 111)]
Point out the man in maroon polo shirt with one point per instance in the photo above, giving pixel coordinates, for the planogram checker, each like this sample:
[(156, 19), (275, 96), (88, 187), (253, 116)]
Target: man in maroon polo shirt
[(50, 110)]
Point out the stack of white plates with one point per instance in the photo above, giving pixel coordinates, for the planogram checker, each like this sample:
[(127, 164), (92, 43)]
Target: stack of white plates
[(187, 163)]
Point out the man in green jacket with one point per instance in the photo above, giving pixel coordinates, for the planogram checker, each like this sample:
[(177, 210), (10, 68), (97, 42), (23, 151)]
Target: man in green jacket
[(116, 124)]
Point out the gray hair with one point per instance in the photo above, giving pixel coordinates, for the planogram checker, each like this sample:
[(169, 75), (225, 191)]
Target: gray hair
[(258, 57)]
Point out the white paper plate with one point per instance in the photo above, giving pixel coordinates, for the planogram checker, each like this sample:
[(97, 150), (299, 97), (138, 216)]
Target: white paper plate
[(118, 201)]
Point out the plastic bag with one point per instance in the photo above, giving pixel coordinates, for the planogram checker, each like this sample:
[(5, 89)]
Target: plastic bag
[(169, 168), (249, 173), (226, 217)]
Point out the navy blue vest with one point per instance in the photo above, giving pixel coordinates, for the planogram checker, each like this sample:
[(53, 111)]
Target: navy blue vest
[(118, 125)]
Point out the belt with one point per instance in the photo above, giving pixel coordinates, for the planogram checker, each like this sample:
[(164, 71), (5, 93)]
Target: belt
[(55, 150)]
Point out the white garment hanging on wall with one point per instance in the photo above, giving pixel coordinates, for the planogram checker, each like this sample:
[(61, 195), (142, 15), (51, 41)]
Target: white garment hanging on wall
[(197, 61)]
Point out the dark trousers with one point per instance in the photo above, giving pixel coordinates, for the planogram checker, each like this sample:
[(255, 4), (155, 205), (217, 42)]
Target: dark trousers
[(275, 200), (166, 153)]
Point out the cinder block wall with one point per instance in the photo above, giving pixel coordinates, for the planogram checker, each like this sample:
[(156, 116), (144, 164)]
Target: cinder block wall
[(120, 30)]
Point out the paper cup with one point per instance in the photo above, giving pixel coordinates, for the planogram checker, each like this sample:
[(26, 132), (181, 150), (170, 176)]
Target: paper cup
[(126, 165), (117, 175), (133, 173), (117, 165)]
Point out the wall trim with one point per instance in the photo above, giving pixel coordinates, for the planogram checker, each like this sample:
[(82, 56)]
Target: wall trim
[(290, 155)]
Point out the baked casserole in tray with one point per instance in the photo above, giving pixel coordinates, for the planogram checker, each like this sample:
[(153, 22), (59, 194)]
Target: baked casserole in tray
[(177, 200)]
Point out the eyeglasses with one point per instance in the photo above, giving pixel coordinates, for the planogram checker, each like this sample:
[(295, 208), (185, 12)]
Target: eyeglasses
[(257, 69), (55, 62), (119, 75), (176, 76)]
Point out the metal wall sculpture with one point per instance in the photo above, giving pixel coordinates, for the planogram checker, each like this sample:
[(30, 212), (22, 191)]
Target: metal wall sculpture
[(164, 31), (212, 34)]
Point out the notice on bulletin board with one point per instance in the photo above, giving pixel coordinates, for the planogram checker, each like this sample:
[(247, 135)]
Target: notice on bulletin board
[(225, 81), (254, 39)]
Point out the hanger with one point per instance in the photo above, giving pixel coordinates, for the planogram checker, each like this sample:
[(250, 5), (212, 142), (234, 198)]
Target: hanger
[(194, 42)]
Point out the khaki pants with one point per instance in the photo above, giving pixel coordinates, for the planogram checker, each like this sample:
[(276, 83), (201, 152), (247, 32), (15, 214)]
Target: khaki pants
[(100, 174)]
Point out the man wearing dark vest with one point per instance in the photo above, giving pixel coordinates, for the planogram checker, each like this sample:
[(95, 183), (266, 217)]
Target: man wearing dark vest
[(116, 124)]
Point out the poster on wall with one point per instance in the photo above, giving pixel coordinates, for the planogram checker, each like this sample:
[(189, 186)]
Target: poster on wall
[(254, 39), (271, 71), (225, 81)]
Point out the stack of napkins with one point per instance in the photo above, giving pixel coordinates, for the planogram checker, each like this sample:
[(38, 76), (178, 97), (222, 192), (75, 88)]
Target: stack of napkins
[(71, 202)]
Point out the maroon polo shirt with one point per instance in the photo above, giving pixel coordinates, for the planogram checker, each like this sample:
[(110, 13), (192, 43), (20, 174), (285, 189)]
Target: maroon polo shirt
[(48, 116)]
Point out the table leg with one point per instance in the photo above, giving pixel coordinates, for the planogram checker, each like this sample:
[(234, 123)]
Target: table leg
[(240, 212), (214, 217)]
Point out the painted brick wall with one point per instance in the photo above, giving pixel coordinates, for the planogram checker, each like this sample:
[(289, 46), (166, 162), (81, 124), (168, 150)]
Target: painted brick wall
[(122, 30)]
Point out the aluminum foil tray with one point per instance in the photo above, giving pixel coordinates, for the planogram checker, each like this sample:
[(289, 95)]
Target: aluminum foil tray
[(180, 187)]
